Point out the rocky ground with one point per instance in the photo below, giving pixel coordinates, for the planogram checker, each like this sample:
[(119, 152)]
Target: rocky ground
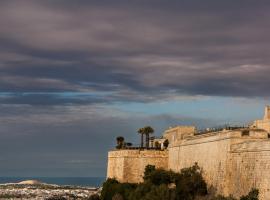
[(40, 191)]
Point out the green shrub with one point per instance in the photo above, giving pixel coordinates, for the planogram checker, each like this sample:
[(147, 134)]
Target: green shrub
[(160, 184), (148, 191), (190, 183), (149, 169), (252, 195), (109, 188), (141, 190), (159, 176), (117, 197), (160, 192), (112, 187), (94, 197)]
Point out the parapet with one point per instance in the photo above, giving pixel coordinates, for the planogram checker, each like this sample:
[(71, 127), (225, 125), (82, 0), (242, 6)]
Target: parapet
[(177, 133)]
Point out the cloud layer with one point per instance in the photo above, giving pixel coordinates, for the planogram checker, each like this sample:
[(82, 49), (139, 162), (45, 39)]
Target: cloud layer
[(135, 50), (73, 73)]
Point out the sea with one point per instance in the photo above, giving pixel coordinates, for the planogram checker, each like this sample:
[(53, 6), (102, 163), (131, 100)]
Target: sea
[(73, 181)]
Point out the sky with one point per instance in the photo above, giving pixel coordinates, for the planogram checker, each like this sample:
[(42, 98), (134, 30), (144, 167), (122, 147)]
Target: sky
[(74, 75)]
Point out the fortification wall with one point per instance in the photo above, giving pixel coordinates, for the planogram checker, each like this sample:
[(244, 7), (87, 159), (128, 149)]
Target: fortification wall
[(231, 163), (263, 124), (249, 167), (211, 154), (129, 165), (178, 133)]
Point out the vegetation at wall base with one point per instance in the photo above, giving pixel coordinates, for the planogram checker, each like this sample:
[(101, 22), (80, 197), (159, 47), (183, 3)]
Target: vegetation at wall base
[(160, 184)]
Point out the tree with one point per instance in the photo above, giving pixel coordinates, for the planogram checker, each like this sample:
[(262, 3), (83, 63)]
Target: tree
[(147, 191), (149, 169), (166, 143), (140, 192), (160, 192), (120, 142), (190, 183), (147, 131), (159, 176), (141, 131), (111, 187)]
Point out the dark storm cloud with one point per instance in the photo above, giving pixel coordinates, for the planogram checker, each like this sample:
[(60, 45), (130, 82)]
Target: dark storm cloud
[(51, 98), (62, 64), (143, 47)]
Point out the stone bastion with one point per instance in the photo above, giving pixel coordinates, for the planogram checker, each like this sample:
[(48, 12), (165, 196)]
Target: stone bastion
[(233, 161), (128, 165)]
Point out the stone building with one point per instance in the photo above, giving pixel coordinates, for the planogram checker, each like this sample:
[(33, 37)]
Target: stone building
[(233, 160), (265, 122)]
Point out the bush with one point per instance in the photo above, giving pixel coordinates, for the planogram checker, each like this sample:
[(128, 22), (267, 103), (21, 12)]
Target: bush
[(109, 188), (94, 197), (149, 169), (141, 190), (148, 191), (252, 195), (190, 183), (159, 176), (160, 192), (160, 184), (117, 197), (112, 187)]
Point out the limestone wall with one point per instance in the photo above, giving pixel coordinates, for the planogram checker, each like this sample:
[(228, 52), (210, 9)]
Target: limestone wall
[(211, 154), (177, 133), (232, 161), (129, 165), (263, 124), (249, 167)]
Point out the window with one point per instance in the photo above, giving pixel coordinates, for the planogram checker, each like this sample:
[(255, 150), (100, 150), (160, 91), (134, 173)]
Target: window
[(245, 133)]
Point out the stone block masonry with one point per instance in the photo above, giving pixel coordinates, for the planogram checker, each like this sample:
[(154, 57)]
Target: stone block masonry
[(233, 161), (128, 165), (249, 167)]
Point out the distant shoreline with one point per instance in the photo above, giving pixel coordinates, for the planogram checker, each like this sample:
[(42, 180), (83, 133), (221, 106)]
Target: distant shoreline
[(34, 189), (94, 182)]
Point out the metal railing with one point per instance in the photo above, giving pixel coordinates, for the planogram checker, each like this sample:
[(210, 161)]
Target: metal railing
[(220, 128)]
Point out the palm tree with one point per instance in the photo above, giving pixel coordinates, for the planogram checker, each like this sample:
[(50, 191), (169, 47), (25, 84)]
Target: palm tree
[(141, 131), (147, 131), (120, 142)]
